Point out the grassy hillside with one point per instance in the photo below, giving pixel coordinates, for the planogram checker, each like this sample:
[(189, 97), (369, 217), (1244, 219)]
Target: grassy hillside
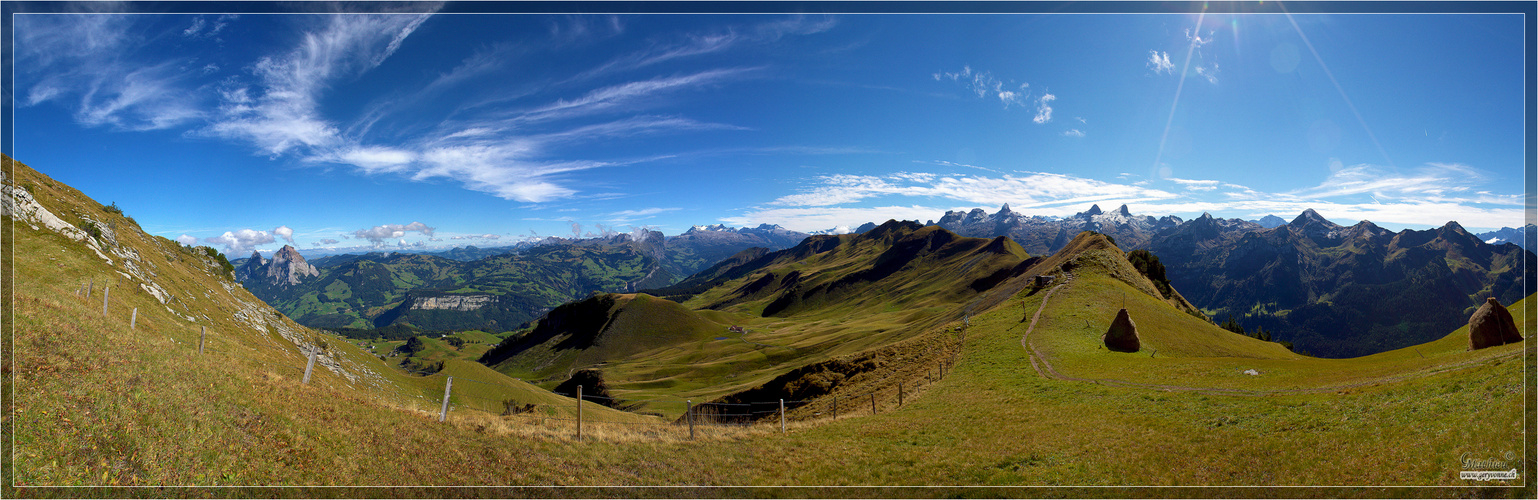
[(138, 410), (831, 297)]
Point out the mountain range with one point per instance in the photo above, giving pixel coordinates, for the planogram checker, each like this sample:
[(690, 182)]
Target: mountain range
[(495, 292), (1309, 281), (1332, 291)]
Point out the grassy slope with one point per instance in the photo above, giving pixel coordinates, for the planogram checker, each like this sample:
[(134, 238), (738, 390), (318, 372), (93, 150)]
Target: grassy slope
[(1192, 352), (100, 404), (708, 362)]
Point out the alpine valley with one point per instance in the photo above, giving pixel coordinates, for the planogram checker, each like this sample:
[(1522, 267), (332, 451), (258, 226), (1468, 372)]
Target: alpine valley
[(1327, 290)]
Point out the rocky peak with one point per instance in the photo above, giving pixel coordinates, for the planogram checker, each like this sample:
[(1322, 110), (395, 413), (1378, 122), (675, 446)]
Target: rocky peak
[(287, 267), (1123, 211), (1094, 210), (1270, 221), (251, 269), (1311, 218), (975, 216)]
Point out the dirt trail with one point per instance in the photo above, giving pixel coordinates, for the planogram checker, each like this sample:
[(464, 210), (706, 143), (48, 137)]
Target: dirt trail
[(1045, 368)]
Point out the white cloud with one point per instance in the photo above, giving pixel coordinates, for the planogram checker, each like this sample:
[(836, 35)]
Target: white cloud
[(632, 93), (281, 113), (80, 55), (1159, 62), (187, 240), (696, 44), (378, 234), (817, 219), (984, 84), (1035, 189), (285, 233), (1431, 195), (1043, 110), (627, 216), (477, 237), (1431, 182), (197, 25), (1196, 38), (239, 243), (325, 241), (373, 159), (1194, 184), (1210, 73), (196, 30), (1074, 133)]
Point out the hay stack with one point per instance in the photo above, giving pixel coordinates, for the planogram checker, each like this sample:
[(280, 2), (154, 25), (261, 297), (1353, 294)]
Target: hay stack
[(1122, 336), (1492, 325)]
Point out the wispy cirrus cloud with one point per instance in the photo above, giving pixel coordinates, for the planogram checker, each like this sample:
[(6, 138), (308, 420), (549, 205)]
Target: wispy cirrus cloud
[(280, 112), (1032, 189), (64, 56), (630, 93), (1450, 182), (628, 216), (520, 145)]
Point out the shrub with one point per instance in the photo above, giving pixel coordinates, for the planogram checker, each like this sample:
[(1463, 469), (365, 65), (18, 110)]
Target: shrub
[(511, 407), (90, 228), (412, 365), (113, 208)]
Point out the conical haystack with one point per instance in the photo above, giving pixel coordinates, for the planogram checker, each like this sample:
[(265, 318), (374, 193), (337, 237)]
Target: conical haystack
[(1492, 325), (1122, 336)]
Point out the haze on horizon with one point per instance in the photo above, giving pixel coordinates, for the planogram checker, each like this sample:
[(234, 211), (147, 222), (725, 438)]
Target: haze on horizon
[(250, 131)]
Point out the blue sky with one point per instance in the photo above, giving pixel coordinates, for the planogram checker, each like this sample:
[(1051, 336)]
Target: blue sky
[(423, 129)]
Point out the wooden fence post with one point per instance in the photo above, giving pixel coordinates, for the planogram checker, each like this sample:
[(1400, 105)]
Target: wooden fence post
[(105, 292), (899, 394), (133, 321), (310, 366), (689, 416), (835, 407), (91, 288), (201, 338), (872, 403), (782, 415), (447, 386), (579, 413)]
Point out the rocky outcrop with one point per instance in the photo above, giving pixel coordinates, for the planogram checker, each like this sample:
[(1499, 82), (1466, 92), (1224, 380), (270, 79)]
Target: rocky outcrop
[(1122, 336), (452, 302), (1492, 325)]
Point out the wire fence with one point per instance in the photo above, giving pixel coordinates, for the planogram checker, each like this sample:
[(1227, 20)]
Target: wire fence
[(503, 399)]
